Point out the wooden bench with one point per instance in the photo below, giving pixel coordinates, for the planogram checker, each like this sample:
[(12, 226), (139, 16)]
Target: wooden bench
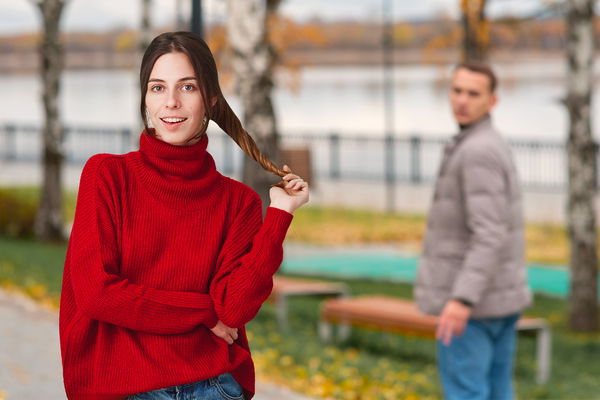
[(400, 316), (285, 287)]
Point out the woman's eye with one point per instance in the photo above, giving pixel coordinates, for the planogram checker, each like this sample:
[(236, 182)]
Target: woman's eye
[(156, 88), (188, 88)]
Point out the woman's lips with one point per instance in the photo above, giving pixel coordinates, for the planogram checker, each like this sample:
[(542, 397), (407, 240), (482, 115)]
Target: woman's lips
[(172, 122)]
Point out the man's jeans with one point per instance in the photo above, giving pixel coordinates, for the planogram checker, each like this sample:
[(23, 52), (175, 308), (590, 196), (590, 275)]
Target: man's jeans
[(478, 365), (222, 387)]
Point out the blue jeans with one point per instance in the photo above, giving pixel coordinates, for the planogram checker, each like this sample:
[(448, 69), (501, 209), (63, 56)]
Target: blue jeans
[(222, 387), (478, 365)]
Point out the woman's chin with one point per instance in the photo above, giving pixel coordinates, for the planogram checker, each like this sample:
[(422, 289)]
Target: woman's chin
[(174, 138)]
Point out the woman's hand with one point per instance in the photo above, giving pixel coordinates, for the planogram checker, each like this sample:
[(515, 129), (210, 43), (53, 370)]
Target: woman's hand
[(224, 332), (293, 195)]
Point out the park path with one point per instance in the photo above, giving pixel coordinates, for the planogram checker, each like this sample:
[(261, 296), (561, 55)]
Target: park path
[(30, 366)]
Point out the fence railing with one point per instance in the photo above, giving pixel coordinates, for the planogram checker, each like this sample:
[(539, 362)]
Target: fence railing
[(403, 158)]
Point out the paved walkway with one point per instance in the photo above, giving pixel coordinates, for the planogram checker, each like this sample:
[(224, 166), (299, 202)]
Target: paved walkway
[(30, 366)]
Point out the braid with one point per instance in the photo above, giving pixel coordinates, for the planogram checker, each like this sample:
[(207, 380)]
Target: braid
[(230, 123)]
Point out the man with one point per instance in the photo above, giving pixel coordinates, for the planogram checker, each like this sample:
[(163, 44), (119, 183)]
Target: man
[(472, 272)]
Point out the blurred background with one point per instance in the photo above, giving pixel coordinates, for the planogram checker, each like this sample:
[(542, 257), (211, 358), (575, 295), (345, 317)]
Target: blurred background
[(360, 108)]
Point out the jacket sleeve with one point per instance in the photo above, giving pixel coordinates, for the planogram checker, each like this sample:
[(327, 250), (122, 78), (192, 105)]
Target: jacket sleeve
[(93, 264), (250, 255), (484, 188)]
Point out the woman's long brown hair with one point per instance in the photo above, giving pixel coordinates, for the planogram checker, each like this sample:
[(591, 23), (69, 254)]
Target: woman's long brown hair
[(205, 69)]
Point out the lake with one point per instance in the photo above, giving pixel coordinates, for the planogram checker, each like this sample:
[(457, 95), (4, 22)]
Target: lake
[(346, 100)]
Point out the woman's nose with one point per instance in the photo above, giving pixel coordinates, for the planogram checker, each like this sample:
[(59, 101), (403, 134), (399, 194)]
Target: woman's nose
[(172, 100)]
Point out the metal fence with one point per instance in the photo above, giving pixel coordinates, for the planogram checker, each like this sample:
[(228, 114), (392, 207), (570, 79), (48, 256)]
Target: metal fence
[(410, 159)]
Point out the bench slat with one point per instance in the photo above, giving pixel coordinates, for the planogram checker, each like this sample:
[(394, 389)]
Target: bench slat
[(383, 313)]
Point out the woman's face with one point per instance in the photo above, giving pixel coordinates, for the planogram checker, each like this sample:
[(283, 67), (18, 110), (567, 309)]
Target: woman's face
[(173, 99)]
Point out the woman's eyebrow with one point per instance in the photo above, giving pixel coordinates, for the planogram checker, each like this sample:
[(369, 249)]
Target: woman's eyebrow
[(187, 78)]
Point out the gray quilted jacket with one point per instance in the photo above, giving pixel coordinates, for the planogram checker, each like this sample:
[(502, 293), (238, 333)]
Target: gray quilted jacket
[(474, 245)]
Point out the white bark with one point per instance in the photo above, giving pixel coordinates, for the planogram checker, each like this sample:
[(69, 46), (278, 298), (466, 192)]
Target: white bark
[(583, 306), (253, 60), (145, 26), (49, 220)]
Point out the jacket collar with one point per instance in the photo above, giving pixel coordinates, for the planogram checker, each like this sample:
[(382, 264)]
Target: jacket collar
[(484, 123)]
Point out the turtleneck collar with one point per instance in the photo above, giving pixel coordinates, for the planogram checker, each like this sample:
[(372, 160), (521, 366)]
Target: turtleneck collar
[(177, 175), (155, 149)]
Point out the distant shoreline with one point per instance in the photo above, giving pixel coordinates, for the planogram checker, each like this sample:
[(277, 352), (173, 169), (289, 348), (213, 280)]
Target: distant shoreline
[(27, 62)]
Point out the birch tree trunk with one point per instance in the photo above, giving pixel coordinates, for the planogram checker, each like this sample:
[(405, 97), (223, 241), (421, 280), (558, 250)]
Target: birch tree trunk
[(581, 149), (49, 220), (476, 30), (145, 35), (253, 60)]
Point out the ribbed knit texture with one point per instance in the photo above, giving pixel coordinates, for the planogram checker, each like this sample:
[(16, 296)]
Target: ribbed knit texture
[(162, 247)]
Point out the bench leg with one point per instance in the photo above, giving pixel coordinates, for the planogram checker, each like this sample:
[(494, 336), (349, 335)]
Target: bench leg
[(282, 319), (325, 331), (343, 331), (543, 355)]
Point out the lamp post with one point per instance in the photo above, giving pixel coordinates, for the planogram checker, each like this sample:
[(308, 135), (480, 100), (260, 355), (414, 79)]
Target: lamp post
[(197, 24)]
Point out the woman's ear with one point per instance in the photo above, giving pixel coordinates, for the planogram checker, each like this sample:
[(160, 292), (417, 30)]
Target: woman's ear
[(213, 101)]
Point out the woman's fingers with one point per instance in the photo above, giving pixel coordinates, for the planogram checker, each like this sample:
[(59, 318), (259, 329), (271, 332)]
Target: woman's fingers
[(293, 182), (229, 335), (289, 177), (296, 186)]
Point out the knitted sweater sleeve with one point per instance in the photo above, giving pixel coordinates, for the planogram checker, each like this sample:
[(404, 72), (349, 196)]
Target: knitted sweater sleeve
[(251, 254), (93, 258)]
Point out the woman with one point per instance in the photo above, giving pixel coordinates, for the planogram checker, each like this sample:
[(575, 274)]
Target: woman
[(168, 259)]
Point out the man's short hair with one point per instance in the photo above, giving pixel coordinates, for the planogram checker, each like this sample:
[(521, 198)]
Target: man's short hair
[(481, 68)]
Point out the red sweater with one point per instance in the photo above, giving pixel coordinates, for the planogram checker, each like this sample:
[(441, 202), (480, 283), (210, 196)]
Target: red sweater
[(162, 247)]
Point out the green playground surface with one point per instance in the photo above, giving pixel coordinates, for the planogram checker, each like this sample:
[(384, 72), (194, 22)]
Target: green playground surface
[(550, 280)]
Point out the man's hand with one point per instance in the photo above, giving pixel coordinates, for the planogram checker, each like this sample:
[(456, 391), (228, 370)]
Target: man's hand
[(224, 332), (452, 321)]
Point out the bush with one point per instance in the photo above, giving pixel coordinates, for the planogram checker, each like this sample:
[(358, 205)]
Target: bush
[(17, 213)]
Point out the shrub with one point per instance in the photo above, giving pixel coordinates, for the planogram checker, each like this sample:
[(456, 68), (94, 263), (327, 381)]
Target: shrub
[(17, 214)]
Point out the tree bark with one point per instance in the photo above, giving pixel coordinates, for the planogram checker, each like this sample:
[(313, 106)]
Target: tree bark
[(145, 35), (581, 149), (253, 61), (476, 30), (49, 220)]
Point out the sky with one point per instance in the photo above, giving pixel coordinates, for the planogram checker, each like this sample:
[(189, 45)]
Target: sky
[(17, 16)]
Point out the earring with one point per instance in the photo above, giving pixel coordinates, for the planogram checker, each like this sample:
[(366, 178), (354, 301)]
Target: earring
[(148, 120)]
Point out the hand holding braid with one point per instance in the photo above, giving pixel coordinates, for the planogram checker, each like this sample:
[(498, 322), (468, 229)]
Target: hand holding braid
[(290, 196), (292, 191)]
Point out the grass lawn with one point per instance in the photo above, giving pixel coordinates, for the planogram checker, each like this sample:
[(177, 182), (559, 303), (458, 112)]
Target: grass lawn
[(370, 365), (545, 243), (388, 366), (33, 267)]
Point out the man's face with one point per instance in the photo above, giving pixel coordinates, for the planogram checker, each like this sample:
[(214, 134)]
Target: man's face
[(471, 96)]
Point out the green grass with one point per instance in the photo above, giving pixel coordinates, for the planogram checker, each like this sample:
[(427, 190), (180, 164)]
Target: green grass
[(545, 243), (574, 374), (377, 365), (34, 267)]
